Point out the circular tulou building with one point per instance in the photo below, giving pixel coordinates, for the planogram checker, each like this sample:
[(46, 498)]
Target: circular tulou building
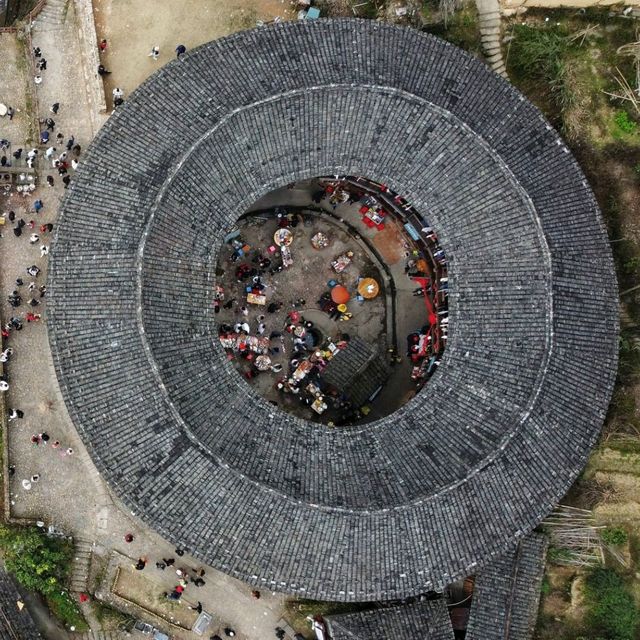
[(400, 505)]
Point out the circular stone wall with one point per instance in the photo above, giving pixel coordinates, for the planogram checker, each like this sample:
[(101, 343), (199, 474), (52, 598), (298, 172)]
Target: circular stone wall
[(399, 506)]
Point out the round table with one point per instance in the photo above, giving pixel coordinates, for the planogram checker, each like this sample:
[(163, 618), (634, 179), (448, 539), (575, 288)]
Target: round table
[(283, 237), (263, 363), (368, 288), (320, 241)]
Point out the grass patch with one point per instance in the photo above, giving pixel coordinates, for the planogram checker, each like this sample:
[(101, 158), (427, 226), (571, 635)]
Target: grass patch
[(461, 29), (66, 609), (566, 74), (614, 536), (611, 610)]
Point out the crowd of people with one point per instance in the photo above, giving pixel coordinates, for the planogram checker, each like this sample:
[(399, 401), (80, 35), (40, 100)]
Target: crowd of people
[(267, 336)]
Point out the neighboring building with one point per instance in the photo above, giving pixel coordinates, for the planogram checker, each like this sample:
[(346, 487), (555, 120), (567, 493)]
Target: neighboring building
[(428, 620), (507, 593), (16, 622)]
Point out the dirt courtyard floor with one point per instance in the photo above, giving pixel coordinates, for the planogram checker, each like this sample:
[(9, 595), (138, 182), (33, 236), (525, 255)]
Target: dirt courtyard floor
[(133, 27)]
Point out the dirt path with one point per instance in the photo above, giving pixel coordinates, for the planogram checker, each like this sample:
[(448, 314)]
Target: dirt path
[(133, 27)]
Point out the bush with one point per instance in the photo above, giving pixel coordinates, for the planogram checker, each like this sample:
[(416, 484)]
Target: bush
[(41, 564), (614, 535), (611, 610), (38, 562), (624, 123)]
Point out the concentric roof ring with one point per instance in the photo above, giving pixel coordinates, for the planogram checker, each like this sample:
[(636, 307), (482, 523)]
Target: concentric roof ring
[(426, 494)]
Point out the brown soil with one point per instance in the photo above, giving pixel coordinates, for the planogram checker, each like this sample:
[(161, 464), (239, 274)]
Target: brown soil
[(389, 243), (136, 587)]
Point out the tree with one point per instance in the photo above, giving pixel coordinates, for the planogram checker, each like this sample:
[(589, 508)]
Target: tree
[(38, 562)]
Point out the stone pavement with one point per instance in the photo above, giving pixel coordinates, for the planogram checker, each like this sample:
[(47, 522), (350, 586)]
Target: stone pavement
[(70, 493)]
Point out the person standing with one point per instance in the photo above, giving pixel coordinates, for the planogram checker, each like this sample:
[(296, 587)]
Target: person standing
[(54, 108), (103, 45), (10, 112), (155, 52), (180, 50)]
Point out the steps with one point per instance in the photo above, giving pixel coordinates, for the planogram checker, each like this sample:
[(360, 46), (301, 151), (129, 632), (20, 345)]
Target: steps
[(100, 635), (489, 24), (53, 13), (79, 579)]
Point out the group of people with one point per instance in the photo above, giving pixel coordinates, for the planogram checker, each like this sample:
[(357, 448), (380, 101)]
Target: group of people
[(34, 293), (117, 92)]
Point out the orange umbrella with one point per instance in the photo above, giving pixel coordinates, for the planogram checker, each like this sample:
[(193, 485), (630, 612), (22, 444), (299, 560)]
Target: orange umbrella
[(339, 294), (368, 288)]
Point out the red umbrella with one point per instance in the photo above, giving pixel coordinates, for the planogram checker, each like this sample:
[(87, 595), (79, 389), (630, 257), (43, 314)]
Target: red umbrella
[(339, 294)]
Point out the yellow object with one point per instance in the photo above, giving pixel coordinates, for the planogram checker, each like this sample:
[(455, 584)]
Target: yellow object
[(342, 308)]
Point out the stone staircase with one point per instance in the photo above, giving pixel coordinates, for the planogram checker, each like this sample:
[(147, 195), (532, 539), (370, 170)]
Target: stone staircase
[(490, 34), (53, 13), (79, 579), (102, 635)]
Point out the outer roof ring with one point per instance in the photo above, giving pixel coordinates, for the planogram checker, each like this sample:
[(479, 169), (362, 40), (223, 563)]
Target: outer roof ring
[(427, 494)]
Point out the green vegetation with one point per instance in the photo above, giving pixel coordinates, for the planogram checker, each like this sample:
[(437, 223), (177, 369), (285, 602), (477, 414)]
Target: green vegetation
[(614, 535), (558, 555), (541, 54), (611, 610), (41, 564), (624, 123), (461, 29), (65, 608)]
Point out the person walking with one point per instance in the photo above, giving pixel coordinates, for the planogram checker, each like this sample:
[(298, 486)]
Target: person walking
[(54, 108), (50, 181), (155, 52), (10, 112), (103, 45), (15, 414), (180, 50)]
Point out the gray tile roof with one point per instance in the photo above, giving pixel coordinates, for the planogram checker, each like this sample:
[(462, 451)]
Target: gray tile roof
[(15, 624), (432, 491), (427, 620), (507, 593), (358, 370)]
